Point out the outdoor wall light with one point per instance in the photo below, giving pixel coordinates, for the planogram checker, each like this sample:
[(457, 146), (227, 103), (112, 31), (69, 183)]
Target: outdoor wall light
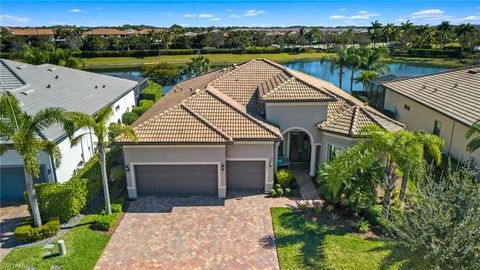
[(270, 163), (222, 167), (127, 168)]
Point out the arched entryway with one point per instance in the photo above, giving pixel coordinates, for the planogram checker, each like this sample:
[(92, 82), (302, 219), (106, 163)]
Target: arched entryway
[(297, 148)]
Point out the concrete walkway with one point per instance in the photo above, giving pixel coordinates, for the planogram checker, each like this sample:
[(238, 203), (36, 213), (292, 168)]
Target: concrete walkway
[(307, 189), (11, 215)]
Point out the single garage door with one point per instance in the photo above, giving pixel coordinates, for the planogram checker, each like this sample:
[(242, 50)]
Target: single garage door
[(12, 182), (176, 180), (246, 175)]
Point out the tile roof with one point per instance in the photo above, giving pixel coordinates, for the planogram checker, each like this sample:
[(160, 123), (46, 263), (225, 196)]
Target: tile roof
[(40, 86), (454, 93), (105, 31), (226, 103), (32, 31)]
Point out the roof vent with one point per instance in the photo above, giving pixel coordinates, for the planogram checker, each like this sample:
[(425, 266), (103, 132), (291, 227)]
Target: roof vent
[(27, 92), (56, 77), (191, 89), (455, 85), (103, 86), (52, 69), (473, 71), (22, 67), (424, 86), (96, 86), (49, 85)]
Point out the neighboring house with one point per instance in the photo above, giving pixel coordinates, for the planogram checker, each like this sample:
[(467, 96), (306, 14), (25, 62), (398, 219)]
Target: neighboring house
[(142, 82), (445, 104), (230, 129), (375, 89), (37, 87)]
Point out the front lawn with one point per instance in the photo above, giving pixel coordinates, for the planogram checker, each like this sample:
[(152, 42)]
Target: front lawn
[(84, 247), (308, 244)]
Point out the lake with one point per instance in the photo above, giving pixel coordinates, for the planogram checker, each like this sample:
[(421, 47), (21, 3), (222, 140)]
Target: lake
[(322, 70)]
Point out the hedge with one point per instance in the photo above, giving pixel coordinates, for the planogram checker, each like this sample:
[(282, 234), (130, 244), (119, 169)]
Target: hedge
[(26, 233), (434, 53), (61, 201), (129, 117), (135, 53), (91, 172), (152, 92)]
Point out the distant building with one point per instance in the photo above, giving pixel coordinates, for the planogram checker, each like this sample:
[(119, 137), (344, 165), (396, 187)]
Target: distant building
[(375, 90), (38, 87), (445, 103)]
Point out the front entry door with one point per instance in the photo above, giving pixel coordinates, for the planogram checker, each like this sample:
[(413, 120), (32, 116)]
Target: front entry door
[(299, 147)]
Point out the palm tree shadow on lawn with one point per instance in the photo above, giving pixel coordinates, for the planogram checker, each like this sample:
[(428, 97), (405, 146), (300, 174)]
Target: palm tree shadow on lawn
[(299, 228)]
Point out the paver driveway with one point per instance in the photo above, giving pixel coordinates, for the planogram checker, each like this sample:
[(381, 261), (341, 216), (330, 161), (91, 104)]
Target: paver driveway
[(195, 233)]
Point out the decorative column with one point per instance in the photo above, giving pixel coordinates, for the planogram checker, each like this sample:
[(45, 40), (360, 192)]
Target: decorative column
[(313, 154)]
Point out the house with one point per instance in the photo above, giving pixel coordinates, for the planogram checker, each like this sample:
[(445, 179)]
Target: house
[(37, 87), (445, 103), (230, 129), (47, 33), (375, 89)]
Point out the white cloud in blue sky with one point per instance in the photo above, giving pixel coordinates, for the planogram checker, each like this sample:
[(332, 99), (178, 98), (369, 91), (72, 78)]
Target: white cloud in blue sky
[(76, 10)]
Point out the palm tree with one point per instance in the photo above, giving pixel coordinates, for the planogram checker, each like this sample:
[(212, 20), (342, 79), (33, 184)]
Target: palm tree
[(444, 33), (373, 59), (473, 144), (392, 149), (340, 62), (196, 66), (375, 31), (406, 30), (99, 124), (464, 33), (24, 132), (389, 32), (365, 77), (354, 62)]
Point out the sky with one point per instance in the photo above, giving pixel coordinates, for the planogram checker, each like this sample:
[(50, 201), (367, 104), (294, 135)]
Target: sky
[(235, 13)]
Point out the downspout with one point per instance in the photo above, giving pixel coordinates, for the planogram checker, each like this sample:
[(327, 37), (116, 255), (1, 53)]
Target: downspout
[(451, 139), (54, 170)]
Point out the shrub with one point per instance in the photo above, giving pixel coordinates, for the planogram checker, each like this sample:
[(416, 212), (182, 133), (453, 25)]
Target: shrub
[(318, 209), (116, 207), (363, 226), (278, 186), (91, 172), (139, 110), (333, 216), (26, 233), (302, 206), (395, 194), (61, 201), (284, 177), (153, 92), (288, 191), (146, 104), (279, 191), (272, 193), (129, 117), (118, 174), (106, 222), (330, 208)]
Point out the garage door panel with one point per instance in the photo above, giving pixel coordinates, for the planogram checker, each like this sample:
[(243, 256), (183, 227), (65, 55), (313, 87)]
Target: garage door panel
[(12, 182), (246, 175), (176, 180)]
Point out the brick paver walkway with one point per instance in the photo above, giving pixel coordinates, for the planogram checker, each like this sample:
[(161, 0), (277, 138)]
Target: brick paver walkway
[(11, 214), (195, 233)]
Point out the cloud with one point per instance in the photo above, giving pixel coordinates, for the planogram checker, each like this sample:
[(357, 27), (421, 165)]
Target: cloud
[(13, 19), (189, 15), (342, 9), (205, 15), (98, 8), (76, 10), (427, 13), (471, 18), (337, 17), (253, 12), (215, 19), (235, 16), (184, 24), (363, 15)]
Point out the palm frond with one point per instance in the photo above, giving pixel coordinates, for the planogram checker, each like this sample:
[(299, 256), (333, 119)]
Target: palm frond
[(10, 109), (47, 117), (80, 120), (103, 115), (473, 145), (52, 149), (122, 130), (475, 128)]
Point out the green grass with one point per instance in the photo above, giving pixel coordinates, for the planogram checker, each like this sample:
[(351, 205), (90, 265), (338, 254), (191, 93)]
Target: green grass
[(84, 247), (441, 62), (304, 244), (215, 59)]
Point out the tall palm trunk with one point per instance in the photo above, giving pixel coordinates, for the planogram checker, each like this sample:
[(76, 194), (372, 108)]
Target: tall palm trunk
[(103, 169), (389, 185), (403, 190), (351, 78), (32, 198), (340, 77)]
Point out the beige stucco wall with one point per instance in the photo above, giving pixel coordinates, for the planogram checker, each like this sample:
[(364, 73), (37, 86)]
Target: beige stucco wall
[(332, 139), (255, 150), (420, 117), (174, 154), (305, 116)]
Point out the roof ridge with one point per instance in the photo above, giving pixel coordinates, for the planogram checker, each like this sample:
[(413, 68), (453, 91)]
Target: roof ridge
[(206, 122), (435, 73), (353, 120), (236, 68), (244, 113), (369, 111), (278, 86)]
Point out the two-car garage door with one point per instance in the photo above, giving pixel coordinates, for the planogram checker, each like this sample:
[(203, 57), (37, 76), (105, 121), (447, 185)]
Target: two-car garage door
[(198, 179), (176, 180)]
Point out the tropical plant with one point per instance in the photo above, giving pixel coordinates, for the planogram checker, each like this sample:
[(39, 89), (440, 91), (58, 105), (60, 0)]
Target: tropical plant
[(365, 77), (474, 143), (162, 73), (339, 62), (444, 33), (98, 125), (441, 225), (390, 32), (24, 133), (354, 62), (464, 34), (406, 29), (390, 149), (375, 31), (196, 66)]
